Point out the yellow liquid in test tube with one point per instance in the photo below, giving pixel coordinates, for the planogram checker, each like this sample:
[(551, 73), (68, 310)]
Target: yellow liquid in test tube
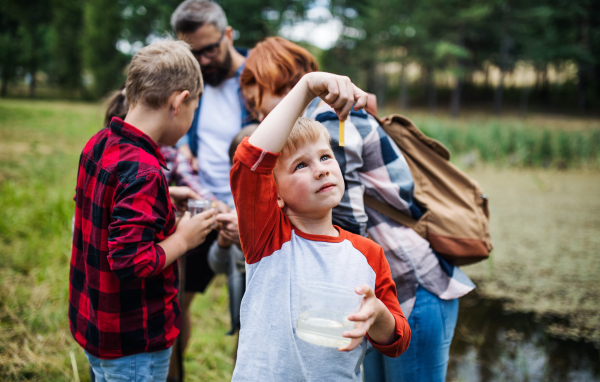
[(342, 125)]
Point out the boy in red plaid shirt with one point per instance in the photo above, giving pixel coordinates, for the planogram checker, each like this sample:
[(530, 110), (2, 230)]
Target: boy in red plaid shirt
[(123, 307)]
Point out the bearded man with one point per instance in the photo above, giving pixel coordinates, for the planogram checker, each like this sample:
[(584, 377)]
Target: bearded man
[(220, 116)]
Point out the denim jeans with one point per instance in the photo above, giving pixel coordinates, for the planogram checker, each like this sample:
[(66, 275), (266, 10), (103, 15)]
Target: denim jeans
[(432, 323), (142, 367)]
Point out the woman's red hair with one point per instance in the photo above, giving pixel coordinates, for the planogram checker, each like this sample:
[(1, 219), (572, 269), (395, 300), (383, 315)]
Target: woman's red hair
[(276, 65)]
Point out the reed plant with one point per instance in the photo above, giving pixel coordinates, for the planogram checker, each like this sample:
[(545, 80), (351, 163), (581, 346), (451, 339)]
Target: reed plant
[(517, 144)]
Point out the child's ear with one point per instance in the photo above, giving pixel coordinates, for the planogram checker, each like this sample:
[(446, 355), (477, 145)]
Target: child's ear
[(178, 100), (280, 201)]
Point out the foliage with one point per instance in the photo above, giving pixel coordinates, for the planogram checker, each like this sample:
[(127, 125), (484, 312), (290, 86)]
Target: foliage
[(515, 144), (66, 65), (69, 40), (32, 18), (10, 52), (102, 29), (460, 37)]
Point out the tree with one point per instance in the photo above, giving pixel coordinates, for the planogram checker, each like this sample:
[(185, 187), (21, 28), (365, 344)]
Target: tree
[(257, 19), (65, 42), (102, 29), (10, 51), (33, 18)]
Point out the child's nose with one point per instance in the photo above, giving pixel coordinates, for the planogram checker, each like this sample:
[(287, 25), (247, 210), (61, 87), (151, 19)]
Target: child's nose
[(321, 172)]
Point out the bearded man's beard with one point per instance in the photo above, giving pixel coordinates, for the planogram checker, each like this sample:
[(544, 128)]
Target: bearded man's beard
[(216, 72)]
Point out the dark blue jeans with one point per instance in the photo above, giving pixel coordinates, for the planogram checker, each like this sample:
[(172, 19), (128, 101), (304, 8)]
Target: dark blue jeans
[(142, 367), (432, 323)]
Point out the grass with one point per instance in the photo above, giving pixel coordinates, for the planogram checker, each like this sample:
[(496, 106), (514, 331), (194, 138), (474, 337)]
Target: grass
[(537, 141), (38, 162), (544, 224), (40, 143)]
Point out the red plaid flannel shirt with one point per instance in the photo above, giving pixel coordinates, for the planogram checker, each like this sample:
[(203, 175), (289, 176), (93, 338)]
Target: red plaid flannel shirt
[(121, 300)]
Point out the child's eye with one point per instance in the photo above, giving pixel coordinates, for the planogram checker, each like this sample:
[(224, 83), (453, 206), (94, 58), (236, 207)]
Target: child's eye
[(300, 166), (325, 157)]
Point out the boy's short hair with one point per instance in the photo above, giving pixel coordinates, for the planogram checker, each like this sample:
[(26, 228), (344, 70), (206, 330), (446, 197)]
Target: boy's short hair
[(305, 130), (158, 70)]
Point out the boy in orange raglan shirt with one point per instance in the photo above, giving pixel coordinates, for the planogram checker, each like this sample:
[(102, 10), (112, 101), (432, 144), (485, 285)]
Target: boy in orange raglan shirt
[(285, 181)]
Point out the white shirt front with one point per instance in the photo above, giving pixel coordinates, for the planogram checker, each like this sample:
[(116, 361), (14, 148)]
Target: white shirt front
[(220, 121)]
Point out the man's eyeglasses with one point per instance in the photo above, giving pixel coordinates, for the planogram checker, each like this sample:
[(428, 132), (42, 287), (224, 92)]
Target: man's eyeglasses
[(210, 51)]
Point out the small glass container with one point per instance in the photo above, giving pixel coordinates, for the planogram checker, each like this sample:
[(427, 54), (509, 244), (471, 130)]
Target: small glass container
[(323, 314), (196, 206)]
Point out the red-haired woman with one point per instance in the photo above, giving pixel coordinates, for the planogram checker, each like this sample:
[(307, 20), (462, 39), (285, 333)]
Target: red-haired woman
[(428, 288)]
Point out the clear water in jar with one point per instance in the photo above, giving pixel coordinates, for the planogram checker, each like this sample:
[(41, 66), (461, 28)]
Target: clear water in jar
[(324, 328)]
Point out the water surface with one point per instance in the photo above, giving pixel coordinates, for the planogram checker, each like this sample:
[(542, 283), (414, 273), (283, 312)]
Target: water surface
[(491, 344)]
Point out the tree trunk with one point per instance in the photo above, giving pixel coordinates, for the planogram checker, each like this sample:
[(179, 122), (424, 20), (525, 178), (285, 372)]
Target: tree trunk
[(486, 82), (498, 93), (503, 61), (581, 80), (456, 92), (583, 66), (370, 69), (381, 85), (403, 89), (545, 88), (455, 99), (32, 84), (524, 100), (431, 91), (33, 66), (4, 87)]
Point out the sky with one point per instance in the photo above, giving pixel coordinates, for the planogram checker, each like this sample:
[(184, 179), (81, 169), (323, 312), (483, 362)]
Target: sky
[(319, 28)]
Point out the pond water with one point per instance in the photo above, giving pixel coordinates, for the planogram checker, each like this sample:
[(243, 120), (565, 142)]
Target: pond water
[(493, 345)]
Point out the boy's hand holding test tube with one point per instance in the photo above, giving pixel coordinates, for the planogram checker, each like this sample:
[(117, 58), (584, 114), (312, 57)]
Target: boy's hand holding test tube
[(337, 91)]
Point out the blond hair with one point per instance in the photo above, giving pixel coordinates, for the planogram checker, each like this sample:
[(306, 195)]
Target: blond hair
[(158, 70), (305, 131)]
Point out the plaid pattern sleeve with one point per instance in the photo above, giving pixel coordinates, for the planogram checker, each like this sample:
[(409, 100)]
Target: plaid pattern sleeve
[(122, 298), (185, 176), (180, 173), (137, 214), (372, 163)]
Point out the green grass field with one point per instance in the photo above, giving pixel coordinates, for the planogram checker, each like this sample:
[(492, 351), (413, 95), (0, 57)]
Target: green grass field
[(544, 224), (40, 143), (536, 141)]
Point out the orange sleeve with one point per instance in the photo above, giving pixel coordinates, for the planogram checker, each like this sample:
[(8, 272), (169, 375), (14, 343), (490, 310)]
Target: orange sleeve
[(385, 290), (263, 226)]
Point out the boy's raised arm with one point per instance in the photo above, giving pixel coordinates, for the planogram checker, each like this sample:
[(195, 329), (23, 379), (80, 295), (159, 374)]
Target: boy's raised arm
[(337, 91)]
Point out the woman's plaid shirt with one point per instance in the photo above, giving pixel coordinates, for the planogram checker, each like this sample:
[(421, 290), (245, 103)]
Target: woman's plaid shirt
[(121, 300)]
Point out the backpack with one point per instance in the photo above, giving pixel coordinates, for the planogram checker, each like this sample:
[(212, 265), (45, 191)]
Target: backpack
[(456, 215)]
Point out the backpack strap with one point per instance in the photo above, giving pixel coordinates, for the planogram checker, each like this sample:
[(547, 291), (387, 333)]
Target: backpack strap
[(389, 211)]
